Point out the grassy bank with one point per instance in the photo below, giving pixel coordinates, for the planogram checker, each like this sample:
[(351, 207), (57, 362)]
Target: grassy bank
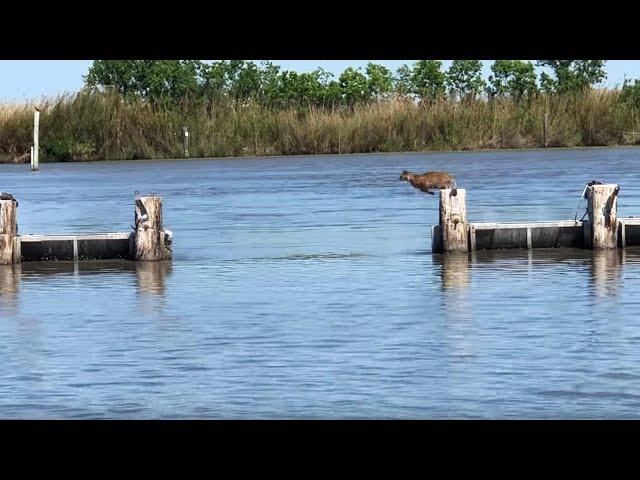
[(102, 126)]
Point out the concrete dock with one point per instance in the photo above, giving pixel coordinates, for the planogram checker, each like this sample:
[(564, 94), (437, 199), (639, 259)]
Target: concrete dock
[(603, 229), (148, 241), (75, 247)]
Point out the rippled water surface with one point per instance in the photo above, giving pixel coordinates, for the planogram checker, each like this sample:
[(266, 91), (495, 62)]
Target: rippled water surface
[(304, 287)]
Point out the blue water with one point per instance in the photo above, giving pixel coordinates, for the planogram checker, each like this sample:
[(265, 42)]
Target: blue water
[(304, 287)]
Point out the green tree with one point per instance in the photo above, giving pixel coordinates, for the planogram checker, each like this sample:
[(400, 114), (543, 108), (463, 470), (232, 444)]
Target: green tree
[(464, 78), (244, 81), (158, 81), (329, 93), (402, 81), (117, 74), (379, 80), (215, 78), (547, 83), (512, 77), (354, 86), (269, 83), (168, 80), (332, 94), (427, 80), (572, 75)]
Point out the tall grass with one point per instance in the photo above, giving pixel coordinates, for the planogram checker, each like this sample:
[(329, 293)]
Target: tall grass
[(102, 126)]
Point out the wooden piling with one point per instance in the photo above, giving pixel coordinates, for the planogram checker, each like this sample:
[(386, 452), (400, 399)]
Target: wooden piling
[(545, 127), (602, 205), (8, 231), (149, 235), (36, 145), (17, 250), (453, 220), (472, 238)]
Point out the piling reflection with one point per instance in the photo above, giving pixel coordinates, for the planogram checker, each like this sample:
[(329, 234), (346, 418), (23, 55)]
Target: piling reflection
[(151, 280), (9, 287), (606, 266), (459, 333), (455, 269), (603, 265), (150, 277)]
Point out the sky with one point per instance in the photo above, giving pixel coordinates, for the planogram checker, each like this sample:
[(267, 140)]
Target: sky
[(22, 80)]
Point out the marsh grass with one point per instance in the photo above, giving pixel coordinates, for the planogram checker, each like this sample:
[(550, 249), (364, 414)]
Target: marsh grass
[(102, 126)]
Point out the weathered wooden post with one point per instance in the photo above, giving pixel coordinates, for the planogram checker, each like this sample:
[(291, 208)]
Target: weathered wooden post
[(453, 220), (185, 141), (545, 126), (150, 242), (8, 232), (36, 145), (602, 206)]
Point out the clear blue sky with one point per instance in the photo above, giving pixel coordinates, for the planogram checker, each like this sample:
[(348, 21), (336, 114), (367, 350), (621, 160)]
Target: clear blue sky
[(32, 79)]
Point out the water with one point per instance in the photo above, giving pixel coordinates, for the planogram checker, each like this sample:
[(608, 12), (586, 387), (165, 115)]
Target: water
[(305, 288)]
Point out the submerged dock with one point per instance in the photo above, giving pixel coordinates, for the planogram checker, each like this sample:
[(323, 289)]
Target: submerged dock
[(602, 230), (148, 241)]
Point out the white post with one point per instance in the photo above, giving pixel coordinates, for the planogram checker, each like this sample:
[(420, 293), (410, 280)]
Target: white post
[(185, 140), (36, 146)]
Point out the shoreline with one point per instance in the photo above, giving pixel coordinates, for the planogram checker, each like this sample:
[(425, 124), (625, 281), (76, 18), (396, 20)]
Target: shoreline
[(408, 152)]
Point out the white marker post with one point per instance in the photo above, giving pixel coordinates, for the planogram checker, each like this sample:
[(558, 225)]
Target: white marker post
[(36, 146), (185, 142)]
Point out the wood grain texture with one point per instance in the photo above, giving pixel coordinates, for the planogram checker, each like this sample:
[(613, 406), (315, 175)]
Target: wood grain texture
[(8, 231), (149, 238), (453, 220), (602, 206)]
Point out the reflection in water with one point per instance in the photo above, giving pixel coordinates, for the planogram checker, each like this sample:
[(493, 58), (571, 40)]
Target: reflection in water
[(460, 331), (384, 333), (455, 269), (9, 287), (605, 265), (86, 267), (151, 278), (605, 272), (532, 258)]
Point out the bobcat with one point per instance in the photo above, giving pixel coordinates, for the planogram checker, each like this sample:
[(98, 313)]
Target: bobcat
[(429, 181)]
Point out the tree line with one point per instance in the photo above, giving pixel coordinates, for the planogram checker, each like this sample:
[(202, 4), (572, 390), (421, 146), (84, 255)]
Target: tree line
[(137, 109), (165, 82)]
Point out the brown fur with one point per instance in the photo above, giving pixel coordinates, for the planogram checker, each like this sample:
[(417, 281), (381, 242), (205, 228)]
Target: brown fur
[(429, 181)]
